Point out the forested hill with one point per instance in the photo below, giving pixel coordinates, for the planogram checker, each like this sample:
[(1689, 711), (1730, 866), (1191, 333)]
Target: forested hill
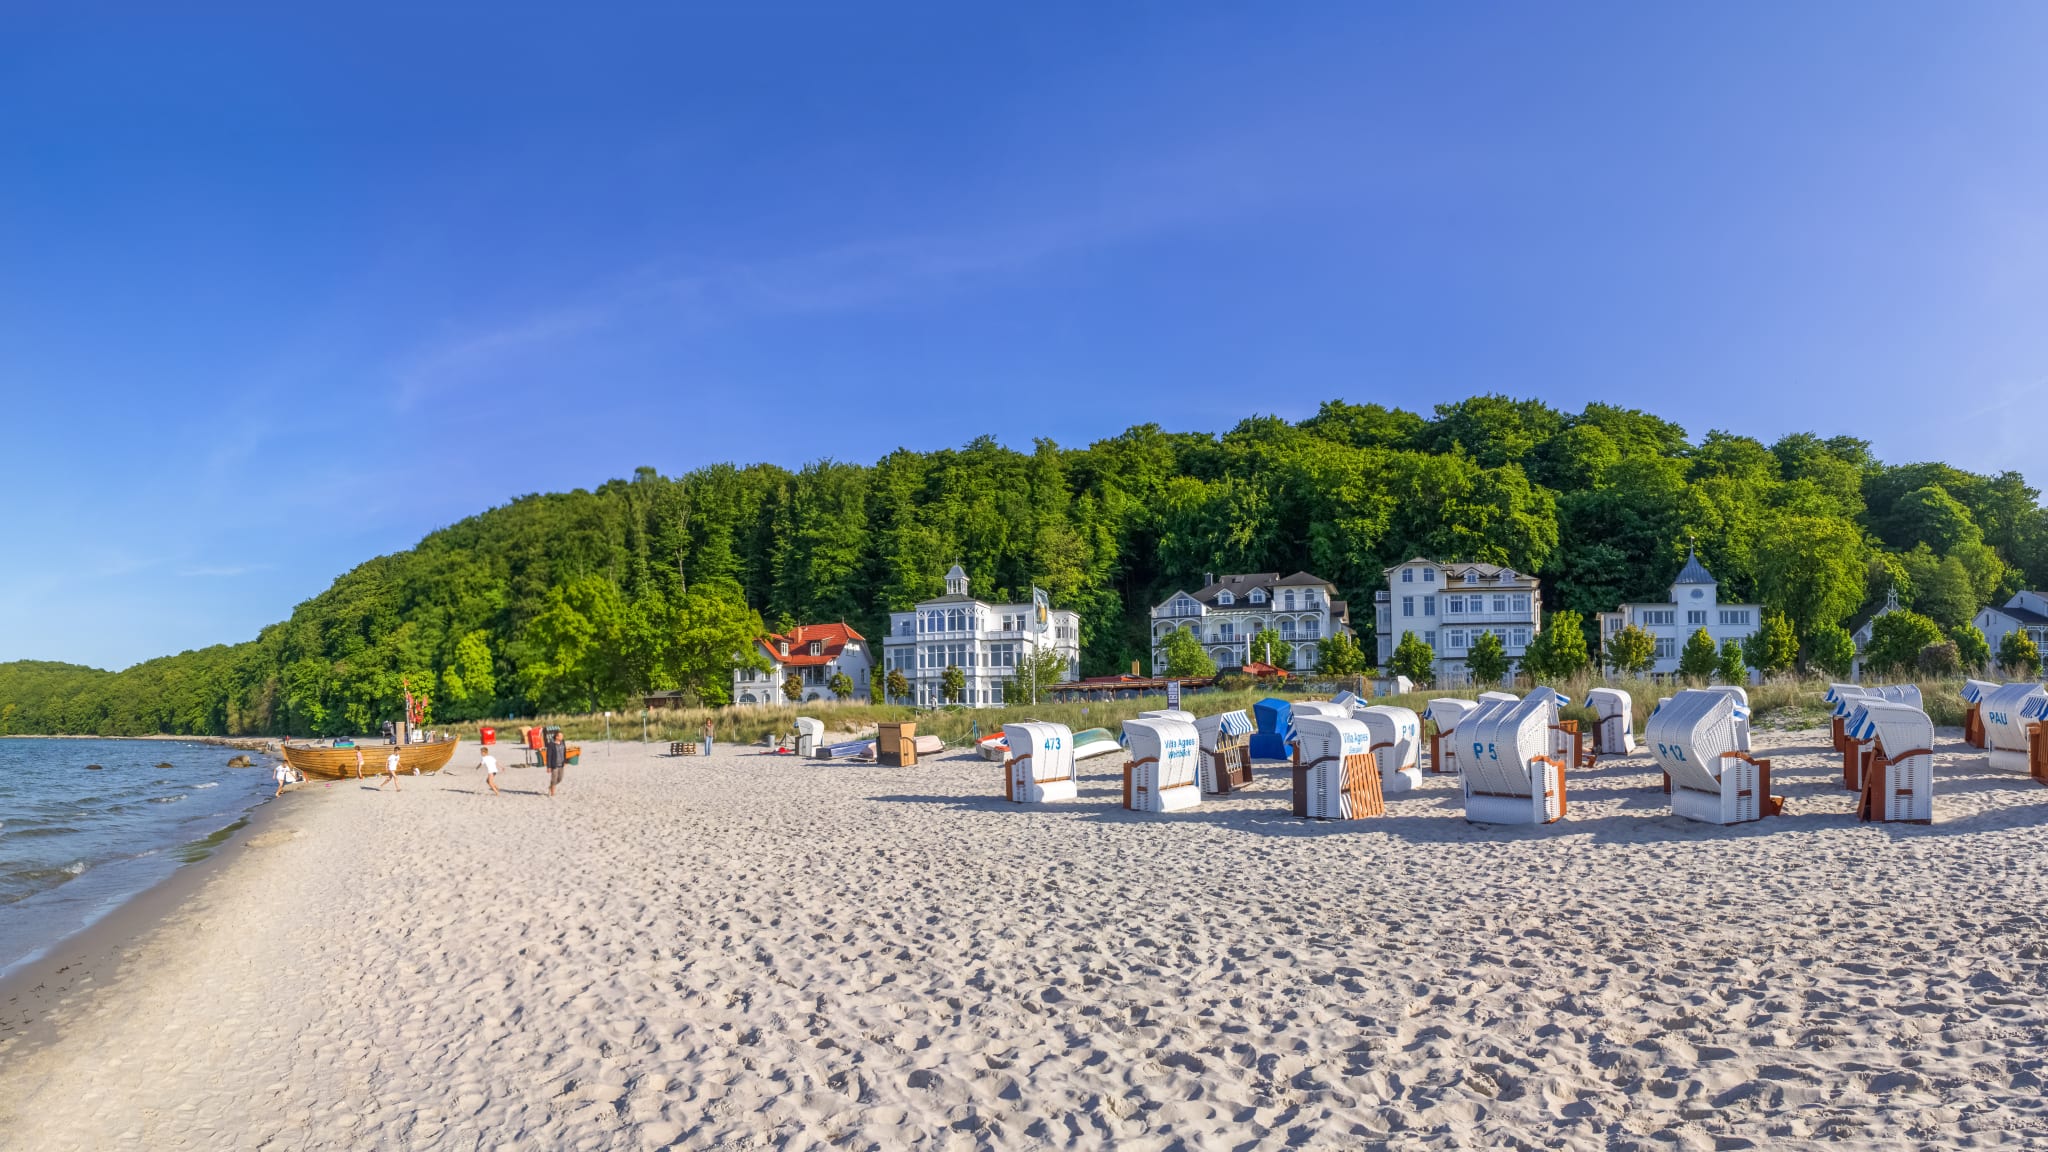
[(583, 599)]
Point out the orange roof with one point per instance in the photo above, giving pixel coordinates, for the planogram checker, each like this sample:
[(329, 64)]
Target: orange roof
[(832, 636), (1254, 668)]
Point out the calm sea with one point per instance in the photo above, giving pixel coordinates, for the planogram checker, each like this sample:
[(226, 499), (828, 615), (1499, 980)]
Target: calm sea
[(77, 840)]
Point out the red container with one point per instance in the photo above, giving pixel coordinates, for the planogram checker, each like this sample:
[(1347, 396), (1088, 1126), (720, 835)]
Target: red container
[(487, 735), (533, 739)]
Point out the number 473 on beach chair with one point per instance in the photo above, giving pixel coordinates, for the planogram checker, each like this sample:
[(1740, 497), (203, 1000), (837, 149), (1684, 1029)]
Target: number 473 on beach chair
[(1040, 767)]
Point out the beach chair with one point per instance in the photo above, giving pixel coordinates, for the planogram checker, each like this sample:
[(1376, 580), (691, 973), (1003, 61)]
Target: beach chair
[(1741, 699), (1444, 715), (2006, 720), (1973, 711), (1697, 740), (1898, 772), (1336, 776), (1274, 719), (1092, 742), (1394, 735), (1226, 751), (1615, 732), (810, 734), (1567, 743), (1167, 714), (1511, 777), (1907, 694), (1163, 772), (1330, 708), (1348, 699), (1839, 719), (1040, 766), (2036, 714)]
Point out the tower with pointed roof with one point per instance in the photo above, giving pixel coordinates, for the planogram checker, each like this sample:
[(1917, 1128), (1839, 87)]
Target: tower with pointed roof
[(1695, 604)]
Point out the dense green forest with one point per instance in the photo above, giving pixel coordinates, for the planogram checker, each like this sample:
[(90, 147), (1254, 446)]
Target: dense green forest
[(580, 600)]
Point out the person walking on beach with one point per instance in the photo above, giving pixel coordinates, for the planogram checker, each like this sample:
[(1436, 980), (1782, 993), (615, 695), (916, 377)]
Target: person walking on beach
[(710, 730), (284, 777), (490, 766), (359, 763), (558, 761), (391, 773)]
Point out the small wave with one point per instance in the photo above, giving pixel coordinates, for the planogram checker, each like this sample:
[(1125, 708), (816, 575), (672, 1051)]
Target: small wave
[(208, 784), (42, 830), (75, 868), (165, 799)]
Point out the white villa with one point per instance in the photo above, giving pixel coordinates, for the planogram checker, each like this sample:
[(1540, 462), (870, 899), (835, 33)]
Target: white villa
[(1451, 605), (1695, 604), (1225, 614), (814, 653), (985, 641), (2026, 612)]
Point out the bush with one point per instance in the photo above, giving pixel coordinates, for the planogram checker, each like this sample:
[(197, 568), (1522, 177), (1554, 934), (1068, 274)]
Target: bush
[(2018, 655), (1631, 651), (1971, 648), (1414, 659), (1733, 669), (1699, 658), (1831, 649), (1940, 660)]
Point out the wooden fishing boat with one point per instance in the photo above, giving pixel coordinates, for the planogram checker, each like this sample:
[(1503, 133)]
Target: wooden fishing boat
[(337, 763)]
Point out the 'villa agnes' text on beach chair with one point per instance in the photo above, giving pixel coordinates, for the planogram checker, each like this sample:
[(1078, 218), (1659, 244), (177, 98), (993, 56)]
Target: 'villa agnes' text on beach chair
[(1226, 751), (1898, 767), (1040, 766), (1336, 776), (1394, 734), (1700, 740), (1444, 716), (1162, 773), (1511, 775)]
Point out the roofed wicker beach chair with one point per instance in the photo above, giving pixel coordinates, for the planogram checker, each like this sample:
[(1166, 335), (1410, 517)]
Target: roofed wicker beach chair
[(1898, 770), (1444, 715), (1839, 719), (1700, 739), (1511, 775), (1274, 739), (1226, 751), (1040, 766), (1614, 734), (2011, 715), (1395, 735), (1163, 773), (1336, 776), (1167, 714), (1973, 710)]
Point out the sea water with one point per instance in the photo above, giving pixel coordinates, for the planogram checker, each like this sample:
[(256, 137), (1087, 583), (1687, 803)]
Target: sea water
[(76, 840)]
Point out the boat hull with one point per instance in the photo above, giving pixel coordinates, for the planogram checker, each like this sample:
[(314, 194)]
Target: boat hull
[(337, 763)]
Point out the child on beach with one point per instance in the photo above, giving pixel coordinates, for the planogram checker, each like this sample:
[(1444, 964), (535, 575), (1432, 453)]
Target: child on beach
[(490, 766), (390, 772), (284, 777), (359, 763)]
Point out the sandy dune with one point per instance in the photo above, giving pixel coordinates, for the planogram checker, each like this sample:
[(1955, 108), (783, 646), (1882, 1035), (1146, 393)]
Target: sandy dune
[(761, 952)]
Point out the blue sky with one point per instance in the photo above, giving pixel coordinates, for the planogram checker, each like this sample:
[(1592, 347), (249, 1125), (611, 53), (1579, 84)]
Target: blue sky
[(282, 290)]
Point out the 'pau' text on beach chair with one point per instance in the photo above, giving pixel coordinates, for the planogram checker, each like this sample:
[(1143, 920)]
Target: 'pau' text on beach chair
[(1162, 773), (2010, 711)]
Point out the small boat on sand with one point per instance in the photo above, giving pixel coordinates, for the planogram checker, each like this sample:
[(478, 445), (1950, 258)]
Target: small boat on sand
[(336, 763)]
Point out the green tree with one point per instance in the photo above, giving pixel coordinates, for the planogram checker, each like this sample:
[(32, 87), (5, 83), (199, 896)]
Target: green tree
[(1631, 651), (1486, 660), (1340, 655), (468, 681), (793, 688), (706, 633), (577, 647), (1973, 652), (1267, 647), (1733, 668), (1414, 659), (840, 685), (2018, 654), (1812, 569), (1896, 639), (1035, 673), (1186, 659), (1558, 652), (1830, 648), (1940, 660), (1773, 647), (897, 684), (953, 682), (1698, 659)]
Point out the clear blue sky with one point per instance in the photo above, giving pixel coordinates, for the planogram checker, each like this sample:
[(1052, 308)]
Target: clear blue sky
[(281, 291)]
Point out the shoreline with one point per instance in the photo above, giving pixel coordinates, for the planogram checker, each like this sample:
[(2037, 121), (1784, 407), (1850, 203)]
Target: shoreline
[(239, 743)]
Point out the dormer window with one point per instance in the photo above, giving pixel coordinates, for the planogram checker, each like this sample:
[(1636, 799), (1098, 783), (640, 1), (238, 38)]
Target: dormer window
[(1224, 597), (1507, 575), (1258, 596), (1407, 575), (1429, 575), (817, 647)]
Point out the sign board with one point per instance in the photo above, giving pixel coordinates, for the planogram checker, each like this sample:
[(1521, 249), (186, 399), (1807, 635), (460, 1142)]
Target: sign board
[(1041, 610), (1173, 694)]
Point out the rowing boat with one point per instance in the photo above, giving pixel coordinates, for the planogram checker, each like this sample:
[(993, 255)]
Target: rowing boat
[(336, 763)]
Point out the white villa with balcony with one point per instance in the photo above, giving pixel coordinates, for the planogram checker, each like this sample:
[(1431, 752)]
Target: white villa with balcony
[(1451, 605), (985, 641), (1225, 614), (1695, 604)]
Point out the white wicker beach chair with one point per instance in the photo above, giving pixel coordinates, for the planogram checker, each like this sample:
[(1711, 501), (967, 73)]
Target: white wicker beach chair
[(1511, 777), (1163, 773), (1329, 708), (1898, 777), (1336, 776), (1615, 734), (810, 735), (1446, 713), (1699, 742), (2008, 710), (1973, 710), (1396, 735), (1226, 750), (1168, 714), (1040, 767)]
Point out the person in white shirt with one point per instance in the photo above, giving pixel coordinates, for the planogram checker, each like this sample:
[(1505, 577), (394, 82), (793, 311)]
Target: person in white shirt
[(490, 766), (390, 773), (284, 777)]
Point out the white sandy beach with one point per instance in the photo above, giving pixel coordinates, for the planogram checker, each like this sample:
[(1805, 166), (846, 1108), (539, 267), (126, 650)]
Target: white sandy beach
[(763, 952)]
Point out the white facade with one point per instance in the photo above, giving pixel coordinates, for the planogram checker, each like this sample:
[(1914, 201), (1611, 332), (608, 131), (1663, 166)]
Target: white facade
[(1695, 604), (985, 641), (1225, 614), (814, 653), (1450, 606), (2026, 612)]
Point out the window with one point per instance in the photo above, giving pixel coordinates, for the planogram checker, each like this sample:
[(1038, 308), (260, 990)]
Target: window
[(908, 627), (1696, 617), (1455, 638), (1521, 638), (1407, 575), (1653, 617), (1308, 600), (996, 694), (1311, 629), (1429, 605), (1500, 604), (1429, 638), (1521, 601), (817, 647), (1736, 616), (1258, 596), (1429, 575), (1225, 631), (1453, 605), (956, 620), (1506, 576), (1407, 605), (1287, 599), (1666, 647), (1287, 629)]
